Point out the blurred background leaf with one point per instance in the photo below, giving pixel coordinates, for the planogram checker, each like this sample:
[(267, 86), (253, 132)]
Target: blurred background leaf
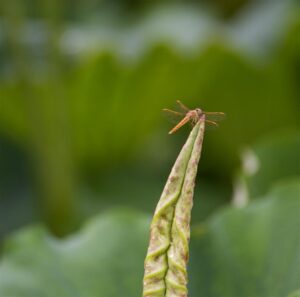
[(295, 294), (272, 159), (238, 252), (82, 85), (86, 263), (252, 251)]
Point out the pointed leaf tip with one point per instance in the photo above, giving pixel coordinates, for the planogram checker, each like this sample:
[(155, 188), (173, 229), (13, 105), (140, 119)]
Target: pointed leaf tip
[(168, 250)]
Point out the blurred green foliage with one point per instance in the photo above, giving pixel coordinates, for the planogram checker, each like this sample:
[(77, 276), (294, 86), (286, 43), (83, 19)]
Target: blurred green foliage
[(121, 104), (81, 134), (295, 294), (276, 160), (89, 263), (250, 251), (240, 252)]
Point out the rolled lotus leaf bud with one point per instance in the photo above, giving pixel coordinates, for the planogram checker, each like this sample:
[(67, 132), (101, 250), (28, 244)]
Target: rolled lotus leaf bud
[(168, 251)]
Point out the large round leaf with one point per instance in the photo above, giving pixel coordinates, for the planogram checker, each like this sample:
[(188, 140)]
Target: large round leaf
[(254, 251), (104, 259)]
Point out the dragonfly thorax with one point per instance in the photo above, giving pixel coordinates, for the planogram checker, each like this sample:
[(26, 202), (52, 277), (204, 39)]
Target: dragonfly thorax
[(195, 114)]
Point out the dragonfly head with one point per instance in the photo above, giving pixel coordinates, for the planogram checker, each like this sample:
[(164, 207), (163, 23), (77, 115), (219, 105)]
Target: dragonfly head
[(199, 112)]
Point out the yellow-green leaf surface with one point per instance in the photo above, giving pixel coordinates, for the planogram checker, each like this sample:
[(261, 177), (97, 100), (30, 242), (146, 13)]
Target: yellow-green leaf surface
[(166, 260), (295, 294)]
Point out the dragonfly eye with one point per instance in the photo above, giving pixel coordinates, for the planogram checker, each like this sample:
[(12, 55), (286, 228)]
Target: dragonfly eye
[(199, 111)]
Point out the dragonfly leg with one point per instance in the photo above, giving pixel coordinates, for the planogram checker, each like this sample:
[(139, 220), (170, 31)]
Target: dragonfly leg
[(195, 120), (212, 122)]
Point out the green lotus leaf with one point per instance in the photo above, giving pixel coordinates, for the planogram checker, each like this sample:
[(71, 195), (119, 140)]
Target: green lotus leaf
[(250, 251), (253, 251)]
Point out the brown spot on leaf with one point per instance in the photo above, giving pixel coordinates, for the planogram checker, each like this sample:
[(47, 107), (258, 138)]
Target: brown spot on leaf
[(173, 179)]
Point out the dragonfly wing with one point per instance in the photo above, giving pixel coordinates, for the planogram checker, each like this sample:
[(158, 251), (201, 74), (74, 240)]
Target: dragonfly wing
[(172, 115), (182, 106), (215, 116)]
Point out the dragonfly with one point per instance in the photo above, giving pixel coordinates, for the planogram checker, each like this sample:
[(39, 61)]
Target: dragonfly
[(193, 116)]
